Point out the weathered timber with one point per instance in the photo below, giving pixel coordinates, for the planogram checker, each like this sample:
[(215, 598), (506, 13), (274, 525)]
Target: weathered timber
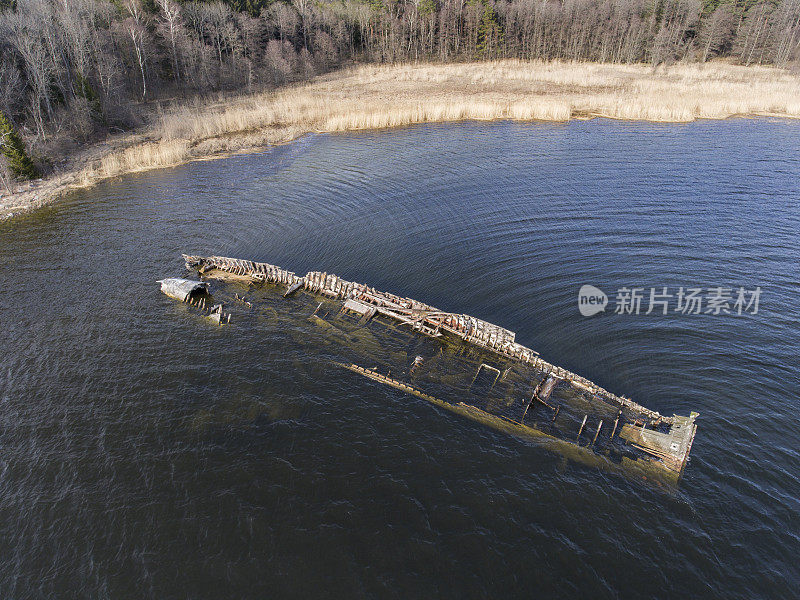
[(580, 431), (433, 322), (500, 423), (417, 363), (488, 368), (616, 422), (527, 406), (422, 317), (596, 433), (293, 288), (672, 448), (355, 306), (547, 389)]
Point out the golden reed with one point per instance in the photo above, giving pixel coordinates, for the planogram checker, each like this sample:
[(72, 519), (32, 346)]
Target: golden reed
[(373, 97)]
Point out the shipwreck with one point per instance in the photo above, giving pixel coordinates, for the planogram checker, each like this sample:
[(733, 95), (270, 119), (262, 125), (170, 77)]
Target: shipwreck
[(478, 370)]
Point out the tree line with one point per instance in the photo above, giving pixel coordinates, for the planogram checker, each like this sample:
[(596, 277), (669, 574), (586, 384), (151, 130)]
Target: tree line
[(82, 67)]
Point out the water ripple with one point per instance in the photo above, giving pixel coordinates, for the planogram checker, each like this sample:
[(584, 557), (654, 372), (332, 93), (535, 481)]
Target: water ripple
[(147, 454)]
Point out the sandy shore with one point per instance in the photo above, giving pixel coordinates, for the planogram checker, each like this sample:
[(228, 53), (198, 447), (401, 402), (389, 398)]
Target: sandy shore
[(372, 97)]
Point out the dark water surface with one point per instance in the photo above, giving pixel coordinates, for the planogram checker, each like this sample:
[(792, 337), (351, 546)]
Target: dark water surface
[(147, 454)]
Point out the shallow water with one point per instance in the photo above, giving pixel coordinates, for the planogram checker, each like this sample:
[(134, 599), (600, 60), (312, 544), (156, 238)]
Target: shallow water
[(147, 454)]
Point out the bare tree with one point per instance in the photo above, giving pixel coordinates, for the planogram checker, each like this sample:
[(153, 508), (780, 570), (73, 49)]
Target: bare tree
[(134, 25), (54, 54), (171, 13), (6, 176), (277, 58), (671, 42), (284, 18), (754, 33), (787, 32), (30, 47), (716, 31), (11, 87), (303, 9)]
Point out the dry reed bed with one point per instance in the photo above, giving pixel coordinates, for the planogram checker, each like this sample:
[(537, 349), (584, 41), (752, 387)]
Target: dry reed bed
[(373, 97)]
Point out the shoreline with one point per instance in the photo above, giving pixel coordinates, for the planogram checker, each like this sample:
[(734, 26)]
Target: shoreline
[(373, 97)]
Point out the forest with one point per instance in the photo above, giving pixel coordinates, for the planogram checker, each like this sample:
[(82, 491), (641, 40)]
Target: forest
[(74, 70)]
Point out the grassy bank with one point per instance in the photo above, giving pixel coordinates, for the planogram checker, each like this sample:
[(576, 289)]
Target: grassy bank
[(370, 97)]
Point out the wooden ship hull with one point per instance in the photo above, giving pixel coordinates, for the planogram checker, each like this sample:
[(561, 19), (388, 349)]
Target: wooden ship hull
[(621, 433)]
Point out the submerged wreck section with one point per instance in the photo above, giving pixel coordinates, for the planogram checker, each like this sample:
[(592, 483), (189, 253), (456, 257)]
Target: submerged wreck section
[(194, 293), (182, 289), (637, 434)]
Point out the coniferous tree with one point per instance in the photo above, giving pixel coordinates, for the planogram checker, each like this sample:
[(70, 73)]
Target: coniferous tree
[(14, 150)]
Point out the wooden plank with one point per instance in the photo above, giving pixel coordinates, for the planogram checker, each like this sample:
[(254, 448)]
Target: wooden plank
[(293, 288)]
